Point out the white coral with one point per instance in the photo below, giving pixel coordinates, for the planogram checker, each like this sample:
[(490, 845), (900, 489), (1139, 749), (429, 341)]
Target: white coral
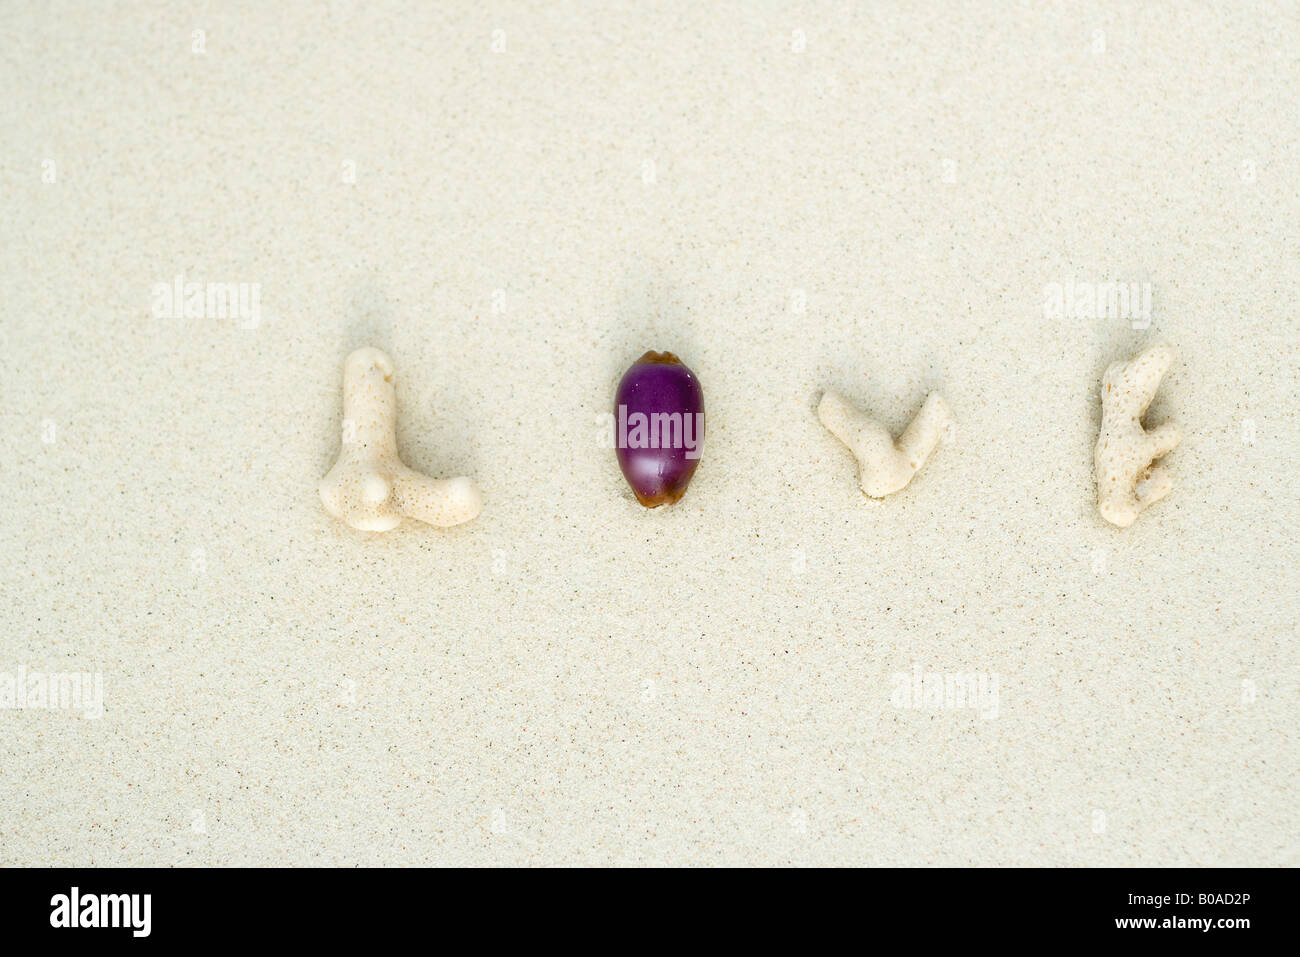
[(884, 466), (1127, 479), (369, 487)]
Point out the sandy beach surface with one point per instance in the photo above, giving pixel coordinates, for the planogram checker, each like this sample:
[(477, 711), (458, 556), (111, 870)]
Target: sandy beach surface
[(514, 203)]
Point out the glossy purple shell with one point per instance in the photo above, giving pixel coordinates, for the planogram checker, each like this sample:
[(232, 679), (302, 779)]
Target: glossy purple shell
[(659, 427)]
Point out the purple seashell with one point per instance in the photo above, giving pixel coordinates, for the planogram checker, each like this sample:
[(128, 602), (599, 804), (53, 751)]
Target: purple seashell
[(659, 417)]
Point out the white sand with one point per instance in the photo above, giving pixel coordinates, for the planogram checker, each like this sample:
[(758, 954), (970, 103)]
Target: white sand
[(570, 678)]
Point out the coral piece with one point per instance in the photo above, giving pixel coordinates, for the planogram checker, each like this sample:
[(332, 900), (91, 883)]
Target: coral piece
[(884, 466), (1127, 479), (369, 487)]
